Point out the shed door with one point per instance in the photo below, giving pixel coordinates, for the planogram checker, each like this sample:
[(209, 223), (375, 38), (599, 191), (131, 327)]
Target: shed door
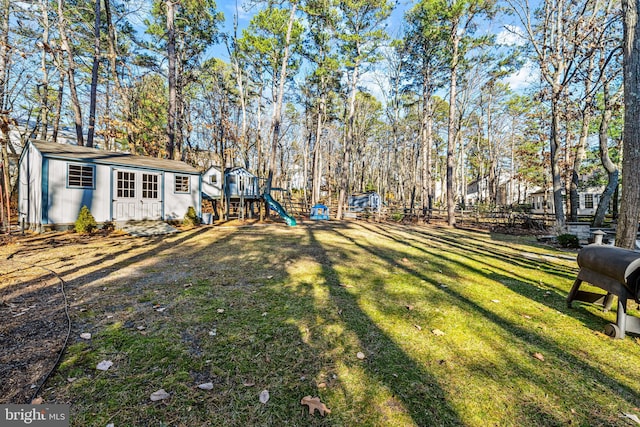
[(136, 195)]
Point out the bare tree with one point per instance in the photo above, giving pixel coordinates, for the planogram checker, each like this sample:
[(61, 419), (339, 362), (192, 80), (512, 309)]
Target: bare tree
[(94, 75), (4, 113), (277, 110), (70, 71), (609, 102)]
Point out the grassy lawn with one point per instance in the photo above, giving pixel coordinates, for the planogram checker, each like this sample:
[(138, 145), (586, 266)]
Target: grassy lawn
[(448, 322)]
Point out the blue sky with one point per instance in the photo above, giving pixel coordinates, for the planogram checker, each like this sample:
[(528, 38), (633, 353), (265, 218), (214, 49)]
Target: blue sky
[(518, 81)]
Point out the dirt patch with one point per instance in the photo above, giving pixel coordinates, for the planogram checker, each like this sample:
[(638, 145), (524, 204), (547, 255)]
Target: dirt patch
[(33, 328), (33, 318), (33, 268)]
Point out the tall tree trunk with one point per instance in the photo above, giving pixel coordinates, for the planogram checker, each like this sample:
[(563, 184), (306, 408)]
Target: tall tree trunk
[(609, 166), (315, 173), (277, 110), (451, 138), (59, 98), (426, 144), (181, 116), (348, 142), (574, 196), (171, 56), (630, 205), (240, 82), (4, 114), (94, 76), (556, 173), (125, 103), (70, 72), (44, 87)]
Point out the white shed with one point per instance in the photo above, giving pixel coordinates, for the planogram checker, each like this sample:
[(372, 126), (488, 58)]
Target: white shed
[(56, 180)]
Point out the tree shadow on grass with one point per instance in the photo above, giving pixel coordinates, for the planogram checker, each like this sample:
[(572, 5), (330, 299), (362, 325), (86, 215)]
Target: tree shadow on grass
[(463, 241), (554, 297), (416, 389), (478, 253), (578, 370)]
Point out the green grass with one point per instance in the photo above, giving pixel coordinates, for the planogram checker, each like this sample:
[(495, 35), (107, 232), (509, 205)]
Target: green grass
[(288, 309)]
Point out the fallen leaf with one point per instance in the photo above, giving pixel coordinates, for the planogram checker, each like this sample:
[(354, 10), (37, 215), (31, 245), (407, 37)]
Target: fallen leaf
[(418, 327), (85, 336), (104, 365), (213, 332), (343, 285), (220, 310), (632, 417), (264, 314), (526, 316), (37, 401), (314, 403), (495, 300), (409, 307), (206, 386), (71, 379), (437, 332), (248, 383), (538, 356), (322, 385), (159, 395), (360, 355), (264, 396), (161, 309), (141, 328)]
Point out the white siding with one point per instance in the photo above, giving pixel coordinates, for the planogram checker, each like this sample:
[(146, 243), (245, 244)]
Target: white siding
[(177, 203), (213, 190), (64, 203), (30, 188)]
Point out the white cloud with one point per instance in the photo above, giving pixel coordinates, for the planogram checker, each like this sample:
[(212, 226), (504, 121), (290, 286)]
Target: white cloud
[(511, 35), (524, 77)]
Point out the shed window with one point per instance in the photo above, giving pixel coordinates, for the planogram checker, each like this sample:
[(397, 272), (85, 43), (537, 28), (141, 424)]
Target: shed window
[(182, 184), (149, 186), (126, 184), (214, 179), (80, 176), (588, 201)]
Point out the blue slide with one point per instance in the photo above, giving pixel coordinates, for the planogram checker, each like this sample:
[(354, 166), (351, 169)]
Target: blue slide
[(291, 221)]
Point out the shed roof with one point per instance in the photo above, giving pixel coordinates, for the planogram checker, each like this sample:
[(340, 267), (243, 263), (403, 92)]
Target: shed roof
[(74, 152)]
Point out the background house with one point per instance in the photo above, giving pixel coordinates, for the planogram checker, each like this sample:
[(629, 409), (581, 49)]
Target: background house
[(370, 201), (56, 180), (542, 201)]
